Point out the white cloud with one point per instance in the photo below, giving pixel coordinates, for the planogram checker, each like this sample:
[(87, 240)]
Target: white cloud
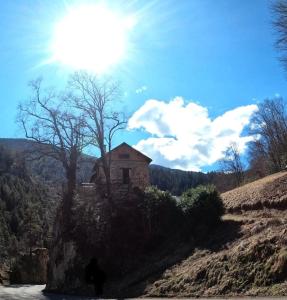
[(141, 89), (183, 136)]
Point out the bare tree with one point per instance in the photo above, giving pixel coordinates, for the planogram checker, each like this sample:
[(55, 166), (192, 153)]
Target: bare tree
[(232, 163), (56, 131), (259, 165), (280, 24), (269, 126), (95, 98)]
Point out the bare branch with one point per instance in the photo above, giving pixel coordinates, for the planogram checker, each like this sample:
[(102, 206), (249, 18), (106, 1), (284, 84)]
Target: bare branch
[(57, 131), (94, 99)]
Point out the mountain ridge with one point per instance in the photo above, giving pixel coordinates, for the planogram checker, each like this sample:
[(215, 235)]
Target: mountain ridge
[(50, 170)]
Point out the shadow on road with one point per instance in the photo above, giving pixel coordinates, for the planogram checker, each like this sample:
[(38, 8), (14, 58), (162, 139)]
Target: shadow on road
[(33, 292)]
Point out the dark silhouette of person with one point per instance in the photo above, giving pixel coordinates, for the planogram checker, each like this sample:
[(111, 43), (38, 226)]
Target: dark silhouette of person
[(96, 276)]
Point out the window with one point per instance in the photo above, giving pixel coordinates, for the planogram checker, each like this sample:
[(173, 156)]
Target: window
[(126, 176), (124, 156)]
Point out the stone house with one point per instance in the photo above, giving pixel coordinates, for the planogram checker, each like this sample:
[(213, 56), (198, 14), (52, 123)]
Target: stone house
[(129, 168)]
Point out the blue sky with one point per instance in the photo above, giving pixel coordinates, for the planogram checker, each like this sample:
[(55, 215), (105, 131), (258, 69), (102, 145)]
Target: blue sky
[(218, 55)]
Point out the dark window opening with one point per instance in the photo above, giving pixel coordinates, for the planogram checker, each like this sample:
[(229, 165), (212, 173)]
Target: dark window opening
[(96, 173), (124, 156), (126, 176)]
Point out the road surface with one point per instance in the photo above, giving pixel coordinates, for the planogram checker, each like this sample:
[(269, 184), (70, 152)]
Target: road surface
[(34, 292)]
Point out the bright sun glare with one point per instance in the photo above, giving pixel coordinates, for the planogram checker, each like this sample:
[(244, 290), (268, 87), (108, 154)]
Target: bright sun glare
[(91, 37)]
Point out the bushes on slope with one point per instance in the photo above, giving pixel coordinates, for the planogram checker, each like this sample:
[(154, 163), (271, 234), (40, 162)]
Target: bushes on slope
[(161, 213), (197, 208), (201, 206)]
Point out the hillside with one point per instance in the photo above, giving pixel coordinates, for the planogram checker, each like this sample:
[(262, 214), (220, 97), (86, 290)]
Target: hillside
[(246, 255), (176, 181), (27, 210), (268, 192), (46, 169), (172, 180)]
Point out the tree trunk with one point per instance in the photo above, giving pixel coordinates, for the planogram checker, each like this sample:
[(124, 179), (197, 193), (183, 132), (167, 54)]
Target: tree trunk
[(68, 197), (106, 169)]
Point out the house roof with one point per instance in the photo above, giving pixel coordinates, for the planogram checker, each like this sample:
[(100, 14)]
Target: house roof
[(148, 159)]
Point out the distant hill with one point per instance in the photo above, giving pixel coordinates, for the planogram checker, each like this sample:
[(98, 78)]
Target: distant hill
[(172, 180), (47, 169), (16, 144), (177, 181)]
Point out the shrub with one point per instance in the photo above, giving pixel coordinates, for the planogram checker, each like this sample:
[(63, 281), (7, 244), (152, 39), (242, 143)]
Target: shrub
[(161, 212), (201, 206)]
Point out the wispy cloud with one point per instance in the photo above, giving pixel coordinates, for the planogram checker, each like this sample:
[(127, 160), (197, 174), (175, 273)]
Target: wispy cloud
[(183, 136), (141, 89)]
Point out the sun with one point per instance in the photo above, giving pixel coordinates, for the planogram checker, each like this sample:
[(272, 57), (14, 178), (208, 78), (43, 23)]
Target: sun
[(91, 37)]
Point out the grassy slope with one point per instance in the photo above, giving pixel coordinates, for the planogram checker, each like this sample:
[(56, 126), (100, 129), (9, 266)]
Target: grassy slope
[(246, 255), (268, 192)]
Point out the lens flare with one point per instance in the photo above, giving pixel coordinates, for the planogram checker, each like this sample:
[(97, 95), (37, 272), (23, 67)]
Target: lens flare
[(91, 37)]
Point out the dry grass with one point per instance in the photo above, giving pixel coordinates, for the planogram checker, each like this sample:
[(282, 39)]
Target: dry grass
[(268, 192), (255, 263), (245, 256)]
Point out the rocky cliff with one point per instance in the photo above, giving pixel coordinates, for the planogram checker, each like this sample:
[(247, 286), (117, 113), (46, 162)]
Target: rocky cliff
[(31, 268), (144, 234), (246, 255)]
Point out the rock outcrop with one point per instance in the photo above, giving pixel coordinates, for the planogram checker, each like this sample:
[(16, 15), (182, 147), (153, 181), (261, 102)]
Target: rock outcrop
[(31, 269), (121, 241), (4, 274)]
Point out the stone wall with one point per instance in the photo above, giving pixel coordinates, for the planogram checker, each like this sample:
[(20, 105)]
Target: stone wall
[(31, 269), (125, 157), (4, 274)]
